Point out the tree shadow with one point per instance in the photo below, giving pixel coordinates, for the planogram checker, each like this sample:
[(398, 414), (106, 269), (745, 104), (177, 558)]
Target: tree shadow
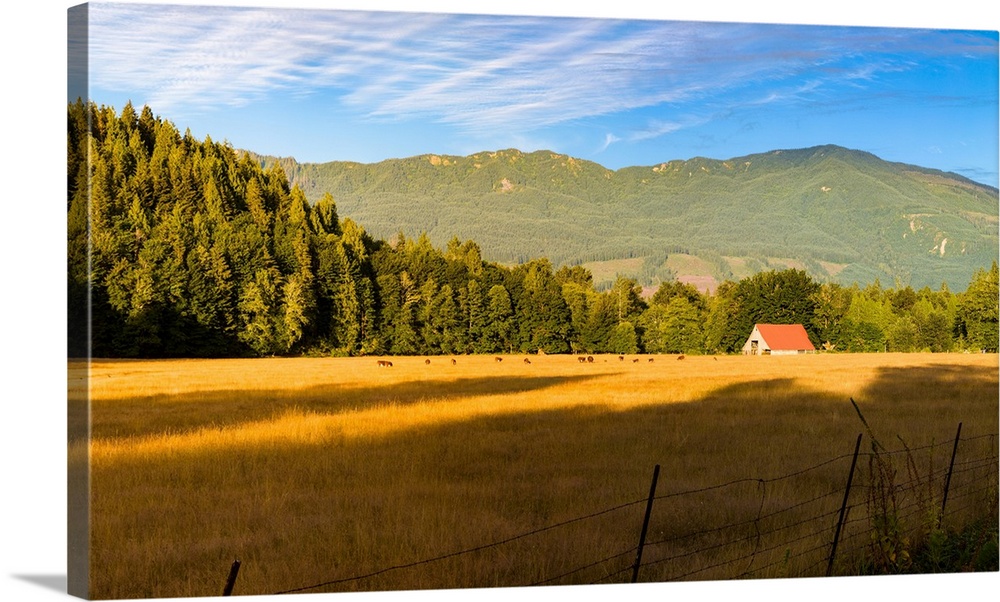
[(448, 486), (227, 408), (944, 380), (924, 404)]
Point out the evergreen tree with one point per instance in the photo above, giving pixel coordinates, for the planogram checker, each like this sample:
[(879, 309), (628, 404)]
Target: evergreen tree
[(934, 326), (472, 306), (977, 311), (543, 317), (260, 313), (623, 339), (627, 295), (831, 304), (181, 247), (499, 329), (338, 303), (602, 318), (721, 310), (444, 324), (676, 327), (579, 298), (323, 216), (865, 325), (296, 310)]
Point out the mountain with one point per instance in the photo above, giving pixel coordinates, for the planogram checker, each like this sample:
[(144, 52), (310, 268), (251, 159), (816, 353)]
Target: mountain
[(842, 215)]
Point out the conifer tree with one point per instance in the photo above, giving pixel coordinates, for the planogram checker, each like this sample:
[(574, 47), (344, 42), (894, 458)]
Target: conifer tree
[(978, 309), (498, 331)]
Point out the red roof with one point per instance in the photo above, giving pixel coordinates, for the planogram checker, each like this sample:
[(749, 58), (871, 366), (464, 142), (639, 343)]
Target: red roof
[(785, 336)]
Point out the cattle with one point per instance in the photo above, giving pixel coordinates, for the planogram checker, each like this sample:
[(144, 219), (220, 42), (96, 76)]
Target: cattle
[(498, 359), (621, 358), (590, 359), (384, 364), (427, 362), (680, 357), (527, 361), (582, 359), (650, 359), (635, 361), (453, 361)]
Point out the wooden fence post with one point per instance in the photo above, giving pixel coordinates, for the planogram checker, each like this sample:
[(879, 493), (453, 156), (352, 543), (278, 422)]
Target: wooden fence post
[(843, 509), (951, 467), (645, 524), (231, 581)]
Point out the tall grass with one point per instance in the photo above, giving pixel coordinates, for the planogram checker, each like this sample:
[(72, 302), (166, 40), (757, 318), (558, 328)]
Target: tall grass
[(317, 470)]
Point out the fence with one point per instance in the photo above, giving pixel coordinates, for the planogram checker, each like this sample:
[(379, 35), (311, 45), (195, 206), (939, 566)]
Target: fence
[(864, 512)]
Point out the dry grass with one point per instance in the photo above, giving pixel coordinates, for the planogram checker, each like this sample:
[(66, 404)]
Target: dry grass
[(315, 470)]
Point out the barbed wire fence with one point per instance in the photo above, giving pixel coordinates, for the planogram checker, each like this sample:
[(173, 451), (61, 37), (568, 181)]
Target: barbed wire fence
[(860, 513)]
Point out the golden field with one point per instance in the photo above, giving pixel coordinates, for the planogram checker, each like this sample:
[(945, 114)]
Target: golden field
[(339, 472)]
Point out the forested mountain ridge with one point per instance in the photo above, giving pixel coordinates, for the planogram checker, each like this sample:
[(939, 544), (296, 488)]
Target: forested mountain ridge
[(178, 247), (841, 215)]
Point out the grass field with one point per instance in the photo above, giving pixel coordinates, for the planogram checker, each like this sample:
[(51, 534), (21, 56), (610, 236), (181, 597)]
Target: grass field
[(322, 471)]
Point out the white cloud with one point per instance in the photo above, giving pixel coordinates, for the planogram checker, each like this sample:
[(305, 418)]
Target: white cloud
[(609, 139), (479, 73)]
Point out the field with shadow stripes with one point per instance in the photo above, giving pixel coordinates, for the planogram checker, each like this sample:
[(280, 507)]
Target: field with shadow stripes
[(337, 474)]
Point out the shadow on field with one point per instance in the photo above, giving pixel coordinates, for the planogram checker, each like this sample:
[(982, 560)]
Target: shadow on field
[(915, 399), (431, 490), (179, 413), (933, 380), (756, 429)]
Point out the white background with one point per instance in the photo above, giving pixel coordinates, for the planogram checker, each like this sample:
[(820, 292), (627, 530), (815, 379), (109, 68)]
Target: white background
[(32, 287)]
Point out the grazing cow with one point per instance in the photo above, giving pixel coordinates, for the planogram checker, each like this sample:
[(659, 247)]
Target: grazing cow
[(621, 358), (427, 362), (582, 359), (590, 359), (635, 361), (680, 357), (453, 361), (498, 359), (650, 359), (384, 364), (527, 361)]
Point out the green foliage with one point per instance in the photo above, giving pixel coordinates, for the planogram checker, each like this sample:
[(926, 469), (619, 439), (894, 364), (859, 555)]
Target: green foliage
[(499, 328), (623, 339), (179, 247), (890, 547), (843, 216), (978, 311), (673, 328), (900, 545), (972, 548), (785, 297), (544, 316)]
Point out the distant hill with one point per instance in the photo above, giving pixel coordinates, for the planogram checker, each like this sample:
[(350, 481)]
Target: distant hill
[(842, 215)]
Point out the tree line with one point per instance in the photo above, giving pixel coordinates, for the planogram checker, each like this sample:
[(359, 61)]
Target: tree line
[(179, 247)]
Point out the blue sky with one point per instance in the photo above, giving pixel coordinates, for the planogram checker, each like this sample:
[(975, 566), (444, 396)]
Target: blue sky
[(322, 85)]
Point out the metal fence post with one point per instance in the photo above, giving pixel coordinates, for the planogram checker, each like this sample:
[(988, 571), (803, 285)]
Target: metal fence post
[(951, 467), (231, 581), (645, 524), (843, 509)]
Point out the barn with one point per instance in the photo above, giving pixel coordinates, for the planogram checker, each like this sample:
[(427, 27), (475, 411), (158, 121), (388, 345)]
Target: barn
[(778, 339)]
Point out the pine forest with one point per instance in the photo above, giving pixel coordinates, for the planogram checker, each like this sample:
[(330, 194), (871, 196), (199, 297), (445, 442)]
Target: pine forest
[(179, 247)]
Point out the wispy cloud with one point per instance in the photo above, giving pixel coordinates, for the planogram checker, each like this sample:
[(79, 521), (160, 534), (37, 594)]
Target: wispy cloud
[(609, 139), (474, 72)]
